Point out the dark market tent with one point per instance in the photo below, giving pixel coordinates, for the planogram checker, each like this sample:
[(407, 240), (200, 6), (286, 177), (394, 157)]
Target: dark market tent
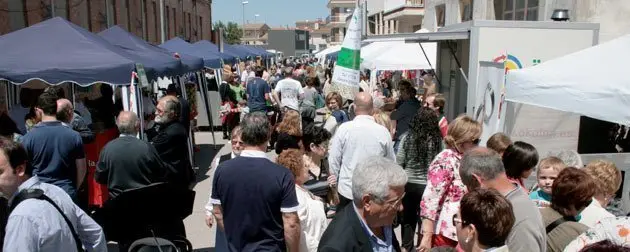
[(250, 50), (227, 49), (57, 51), (161, 60), (263, 51), (159, 56), (205, 45), (243, 54), (180, 46)]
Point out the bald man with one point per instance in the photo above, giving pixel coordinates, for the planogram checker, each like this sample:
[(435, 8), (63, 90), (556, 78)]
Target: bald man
[(355, 141), (67, 116), (128, 162)]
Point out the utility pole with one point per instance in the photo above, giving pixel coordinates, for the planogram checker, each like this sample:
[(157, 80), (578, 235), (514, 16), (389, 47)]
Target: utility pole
[(52, 8), (163, 37), (243, 24), (108, 13)]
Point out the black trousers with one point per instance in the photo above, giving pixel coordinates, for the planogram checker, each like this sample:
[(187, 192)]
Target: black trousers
[(411, 213), (343, 201)]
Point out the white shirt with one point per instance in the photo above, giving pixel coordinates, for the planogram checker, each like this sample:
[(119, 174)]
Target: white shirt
[(214, 166), (290, 91), (593, 213), (313, 220), (353, 142)]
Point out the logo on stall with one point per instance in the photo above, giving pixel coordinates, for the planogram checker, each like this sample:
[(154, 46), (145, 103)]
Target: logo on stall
[(511, 62)]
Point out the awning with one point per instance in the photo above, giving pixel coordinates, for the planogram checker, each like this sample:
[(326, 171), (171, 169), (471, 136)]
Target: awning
[(421, 37)]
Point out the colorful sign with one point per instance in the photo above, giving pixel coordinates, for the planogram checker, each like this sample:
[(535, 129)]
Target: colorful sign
[(346, 74), (511, 62)]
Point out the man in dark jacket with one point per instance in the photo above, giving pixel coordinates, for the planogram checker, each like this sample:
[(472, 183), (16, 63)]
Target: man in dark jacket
[(67, 115), (366, 224), (171, 140)]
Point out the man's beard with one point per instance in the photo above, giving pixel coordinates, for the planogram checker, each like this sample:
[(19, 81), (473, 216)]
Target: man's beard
[(163, 119)]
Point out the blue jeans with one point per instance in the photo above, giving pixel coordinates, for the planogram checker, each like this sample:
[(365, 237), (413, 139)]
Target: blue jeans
[(220, 241)]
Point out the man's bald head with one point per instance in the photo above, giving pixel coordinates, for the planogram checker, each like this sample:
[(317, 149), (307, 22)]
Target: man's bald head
[(65, 110), (363, 104), (128, 123), (481, 162)]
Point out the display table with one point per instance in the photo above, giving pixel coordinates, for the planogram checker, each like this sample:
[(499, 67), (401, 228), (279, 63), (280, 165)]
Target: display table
[(97, 193)]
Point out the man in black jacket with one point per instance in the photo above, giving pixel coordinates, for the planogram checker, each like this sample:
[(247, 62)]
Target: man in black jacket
[(171, 140), (378, 187), (67, 115)]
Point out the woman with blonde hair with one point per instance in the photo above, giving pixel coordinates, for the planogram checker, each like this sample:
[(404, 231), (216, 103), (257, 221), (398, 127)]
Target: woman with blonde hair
[(383, 119), (440, 201), (289, 132), (608, 180)]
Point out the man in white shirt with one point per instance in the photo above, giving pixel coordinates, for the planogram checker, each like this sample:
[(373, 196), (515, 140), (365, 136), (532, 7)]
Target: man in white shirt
[(356, 141), (290, 91)]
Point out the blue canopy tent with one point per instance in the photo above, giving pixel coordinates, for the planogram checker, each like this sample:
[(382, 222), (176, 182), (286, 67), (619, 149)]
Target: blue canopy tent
[(205, 45), (243, 54), (180, 46), (263, 51), (227, 49), (57, 51), (165, 62), (253, 52)]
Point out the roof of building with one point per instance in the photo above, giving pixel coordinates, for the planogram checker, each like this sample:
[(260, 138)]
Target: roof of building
[(255, 26)]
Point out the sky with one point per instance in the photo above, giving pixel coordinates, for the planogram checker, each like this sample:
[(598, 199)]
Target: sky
[(273, 12)]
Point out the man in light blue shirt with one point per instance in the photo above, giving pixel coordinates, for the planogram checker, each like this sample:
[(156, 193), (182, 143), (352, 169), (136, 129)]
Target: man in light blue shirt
[(34, 224)]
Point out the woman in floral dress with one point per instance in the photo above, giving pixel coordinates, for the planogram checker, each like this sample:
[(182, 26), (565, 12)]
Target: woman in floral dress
[(445, 188)]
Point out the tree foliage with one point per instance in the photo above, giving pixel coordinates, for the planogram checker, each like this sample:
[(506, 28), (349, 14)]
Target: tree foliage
[(232, 33)]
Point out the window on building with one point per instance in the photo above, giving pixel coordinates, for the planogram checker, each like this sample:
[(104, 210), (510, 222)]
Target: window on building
[(520, 10), (176, 28), (168, 18), (467, 10), (440, 13), (155, 21), (145, 27), (189, 26), (200, 28)]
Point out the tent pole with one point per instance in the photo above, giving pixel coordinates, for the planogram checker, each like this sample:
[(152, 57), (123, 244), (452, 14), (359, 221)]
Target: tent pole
[(427, 58), (182, 86), (461, 70), (140, 104), (204, 95)]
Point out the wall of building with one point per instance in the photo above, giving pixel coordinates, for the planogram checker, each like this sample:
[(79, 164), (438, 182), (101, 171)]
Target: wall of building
[(189, 19), (282, 40)]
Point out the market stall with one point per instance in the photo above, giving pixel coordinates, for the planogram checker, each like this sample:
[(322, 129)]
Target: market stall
[(56, 52), (590, 82)]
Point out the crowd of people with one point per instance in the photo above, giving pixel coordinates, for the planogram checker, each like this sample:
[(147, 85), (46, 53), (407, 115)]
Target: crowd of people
[(345, 174), (346, 182)]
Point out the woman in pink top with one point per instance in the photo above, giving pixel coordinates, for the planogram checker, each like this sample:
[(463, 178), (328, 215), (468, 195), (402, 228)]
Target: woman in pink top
[(520, 159), (445, 188)]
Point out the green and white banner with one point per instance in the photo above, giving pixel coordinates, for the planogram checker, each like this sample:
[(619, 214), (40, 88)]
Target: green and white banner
[(346, 74)]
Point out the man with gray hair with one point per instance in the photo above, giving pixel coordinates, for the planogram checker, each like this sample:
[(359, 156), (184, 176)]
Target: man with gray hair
[(171, 140), (128, 162), (254, 199), (482, 167), (378, 186), (356, 141)]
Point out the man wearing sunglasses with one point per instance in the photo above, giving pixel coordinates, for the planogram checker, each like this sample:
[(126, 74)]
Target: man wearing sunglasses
[(378, 187)]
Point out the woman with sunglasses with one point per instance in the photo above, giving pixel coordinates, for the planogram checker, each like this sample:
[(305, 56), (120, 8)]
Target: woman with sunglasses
[(484, 221), (445, 188)]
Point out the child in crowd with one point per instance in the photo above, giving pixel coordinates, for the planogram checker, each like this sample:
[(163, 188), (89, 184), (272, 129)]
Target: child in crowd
[(548, 170), (498, 142)]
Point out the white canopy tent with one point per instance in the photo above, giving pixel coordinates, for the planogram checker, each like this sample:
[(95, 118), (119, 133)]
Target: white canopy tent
[(592, 82), (399, 55)]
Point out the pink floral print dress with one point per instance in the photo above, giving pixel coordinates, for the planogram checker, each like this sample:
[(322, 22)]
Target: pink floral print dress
[(444, 190)]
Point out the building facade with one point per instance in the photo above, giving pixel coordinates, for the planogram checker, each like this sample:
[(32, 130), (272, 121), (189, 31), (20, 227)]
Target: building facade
[(189, 19), (255, 34), (611, 14), (319, 33), (340, 10), (290, 42)]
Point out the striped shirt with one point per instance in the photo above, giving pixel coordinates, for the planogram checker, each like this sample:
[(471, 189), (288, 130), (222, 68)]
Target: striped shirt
[(415, 164)]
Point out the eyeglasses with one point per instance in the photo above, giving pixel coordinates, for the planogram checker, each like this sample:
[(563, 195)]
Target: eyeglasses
[(237, 142), (456, 220), (394, 204), (476, 141)]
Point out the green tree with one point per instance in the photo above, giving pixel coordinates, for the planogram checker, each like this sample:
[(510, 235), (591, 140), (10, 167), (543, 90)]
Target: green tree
[(232, 33)]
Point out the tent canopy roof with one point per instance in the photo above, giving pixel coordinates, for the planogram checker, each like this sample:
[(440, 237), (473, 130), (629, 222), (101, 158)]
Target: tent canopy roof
[(57, 51), (591, 82), (178, 45)]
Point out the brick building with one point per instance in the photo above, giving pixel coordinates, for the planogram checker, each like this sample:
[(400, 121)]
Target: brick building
[(188, 19)]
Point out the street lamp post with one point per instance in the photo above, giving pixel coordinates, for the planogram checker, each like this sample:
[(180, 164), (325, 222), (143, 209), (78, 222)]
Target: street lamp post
[(243, 24), (256, 31)]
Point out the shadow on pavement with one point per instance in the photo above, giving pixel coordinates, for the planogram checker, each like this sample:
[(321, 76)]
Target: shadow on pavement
[(204, 250), (203, 159)]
